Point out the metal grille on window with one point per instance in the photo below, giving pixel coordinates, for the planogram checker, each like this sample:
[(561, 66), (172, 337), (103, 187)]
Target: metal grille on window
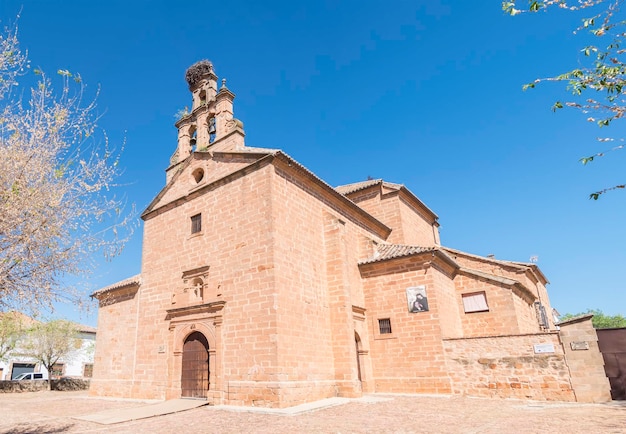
[(384, 325), (196, 223)]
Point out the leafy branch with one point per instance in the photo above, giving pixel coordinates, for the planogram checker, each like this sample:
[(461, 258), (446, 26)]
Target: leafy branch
[(603, 75)]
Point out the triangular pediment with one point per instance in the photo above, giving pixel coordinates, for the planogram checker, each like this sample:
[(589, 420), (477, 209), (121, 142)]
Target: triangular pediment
[(201, 169)]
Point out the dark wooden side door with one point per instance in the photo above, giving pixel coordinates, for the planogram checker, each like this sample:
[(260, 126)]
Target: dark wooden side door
[(195, 372), (612, 343)]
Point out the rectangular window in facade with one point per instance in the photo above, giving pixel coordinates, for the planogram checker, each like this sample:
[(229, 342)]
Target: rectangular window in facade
[(57, 370), (384, 326), (475, 302), (88, 370), (196, 223)]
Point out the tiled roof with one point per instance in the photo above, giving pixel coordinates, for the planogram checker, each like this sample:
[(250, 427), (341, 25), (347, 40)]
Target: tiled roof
[(357, 186), (85, 328), (486, 258), (390, 251), (134, 280), (515, 264), (351, 188), (488, 276), (251, 149)]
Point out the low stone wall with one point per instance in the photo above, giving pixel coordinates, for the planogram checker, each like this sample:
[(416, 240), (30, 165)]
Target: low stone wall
[(525, 367), (9, 386), (64, 384), (68, 384)]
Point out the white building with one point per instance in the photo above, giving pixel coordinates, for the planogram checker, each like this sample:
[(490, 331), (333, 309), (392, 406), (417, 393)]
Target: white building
[(79, 364)]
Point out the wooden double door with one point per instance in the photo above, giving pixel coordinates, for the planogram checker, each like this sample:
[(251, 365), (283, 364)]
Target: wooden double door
[(195, 369)]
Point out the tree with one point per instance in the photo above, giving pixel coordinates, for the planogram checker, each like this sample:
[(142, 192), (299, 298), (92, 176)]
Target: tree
[(599, 320), (56, 176), (11, 329), (598, 85), (50, 342)]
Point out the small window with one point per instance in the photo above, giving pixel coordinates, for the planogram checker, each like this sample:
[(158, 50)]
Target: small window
[(384, 326), (198, 175), (88, 370), (196, 223), (57, 370), (476, 302)]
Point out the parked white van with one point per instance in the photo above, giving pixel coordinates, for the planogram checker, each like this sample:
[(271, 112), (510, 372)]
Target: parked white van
[(32, 376)]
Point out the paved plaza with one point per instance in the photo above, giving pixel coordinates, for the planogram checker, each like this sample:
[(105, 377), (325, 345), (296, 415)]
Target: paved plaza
[(57, 412)]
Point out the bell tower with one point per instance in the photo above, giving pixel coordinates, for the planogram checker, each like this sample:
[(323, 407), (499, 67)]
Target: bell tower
[(210, 124)]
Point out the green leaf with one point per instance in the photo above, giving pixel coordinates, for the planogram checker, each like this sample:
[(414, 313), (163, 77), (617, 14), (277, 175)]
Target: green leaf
[(588, 22), (509, 8), (557, 105), (586, 160)]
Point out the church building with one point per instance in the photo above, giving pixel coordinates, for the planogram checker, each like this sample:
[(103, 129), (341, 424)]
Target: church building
[(262, 285)]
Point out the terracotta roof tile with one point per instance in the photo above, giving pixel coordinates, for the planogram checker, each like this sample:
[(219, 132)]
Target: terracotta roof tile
[(134, 280), (85, 328), (390, 251), (351, 188)]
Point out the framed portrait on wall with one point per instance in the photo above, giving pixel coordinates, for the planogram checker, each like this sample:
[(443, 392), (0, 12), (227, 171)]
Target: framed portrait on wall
[(417, 299)]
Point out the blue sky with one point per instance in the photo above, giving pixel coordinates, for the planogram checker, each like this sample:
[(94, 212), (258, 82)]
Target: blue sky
[(424, 93)]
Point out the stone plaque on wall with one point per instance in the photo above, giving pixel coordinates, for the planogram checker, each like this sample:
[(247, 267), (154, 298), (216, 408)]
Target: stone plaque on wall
[(579, 346), (543, 348)]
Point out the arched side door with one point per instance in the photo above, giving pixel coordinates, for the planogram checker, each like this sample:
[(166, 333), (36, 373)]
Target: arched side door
[(195, 370)]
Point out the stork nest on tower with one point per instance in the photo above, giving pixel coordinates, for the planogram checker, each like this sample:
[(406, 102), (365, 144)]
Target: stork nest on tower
[(196, 72)]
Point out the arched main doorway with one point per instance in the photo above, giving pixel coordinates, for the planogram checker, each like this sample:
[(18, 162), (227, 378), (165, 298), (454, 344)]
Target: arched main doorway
[(195, 370)]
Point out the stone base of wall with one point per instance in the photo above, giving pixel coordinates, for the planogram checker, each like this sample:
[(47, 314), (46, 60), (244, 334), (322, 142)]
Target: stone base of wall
[(277, 394), (509, 367), (436, 385), (111, 388)]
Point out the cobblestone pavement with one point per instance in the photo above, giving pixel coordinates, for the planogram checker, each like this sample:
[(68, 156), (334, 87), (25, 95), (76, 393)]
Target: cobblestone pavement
[(51, 412)]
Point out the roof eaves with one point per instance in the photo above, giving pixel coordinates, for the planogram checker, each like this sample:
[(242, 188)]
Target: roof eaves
[(122, 284), (357, 186), (573, 320), (492, 277), (386, 252)]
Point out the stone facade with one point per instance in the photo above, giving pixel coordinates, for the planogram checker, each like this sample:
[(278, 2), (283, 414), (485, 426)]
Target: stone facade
[(300, 291), (580, 343)]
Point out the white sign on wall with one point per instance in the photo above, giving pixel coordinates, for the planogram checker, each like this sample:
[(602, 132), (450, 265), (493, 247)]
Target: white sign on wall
[(543, 348)]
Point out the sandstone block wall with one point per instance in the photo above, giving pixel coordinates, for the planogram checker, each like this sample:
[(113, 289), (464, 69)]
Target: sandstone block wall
[(408, 225), (509, 367), (585, 361), (501, 317), (114, 359), (411, 358)]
